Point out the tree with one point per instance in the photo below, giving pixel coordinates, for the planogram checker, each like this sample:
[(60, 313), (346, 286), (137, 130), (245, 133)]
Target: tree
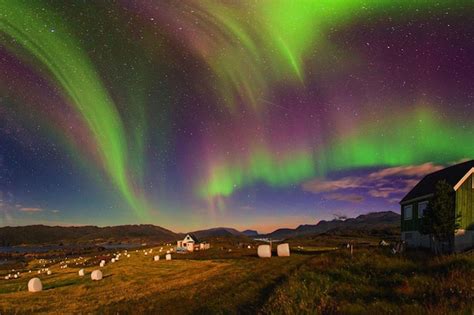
[(440, 220)]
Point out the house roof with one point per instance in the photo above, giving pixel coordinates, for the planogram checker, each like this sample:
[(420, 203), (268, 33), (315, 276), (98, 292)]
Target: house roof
[(454, 175), (195, 239)]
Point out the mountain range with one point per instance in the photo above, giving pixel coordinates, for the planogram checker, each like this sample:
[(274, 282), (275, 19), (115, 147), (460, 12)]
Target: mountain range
[(41, 234), (370, 221)]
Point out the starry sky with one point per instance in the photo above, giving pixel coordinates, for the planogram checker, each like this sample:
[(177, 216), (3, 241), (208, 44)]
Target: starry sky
[(249, 114)]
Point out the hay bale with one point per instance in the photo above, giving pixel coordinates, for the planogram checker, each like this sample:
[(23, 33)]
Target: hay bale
[(49, 272), (96, 275), (81, 273), (112, 260), (168, 256), (156, 258), (35, 285), (102, 263), (264, 251), (283, 250)]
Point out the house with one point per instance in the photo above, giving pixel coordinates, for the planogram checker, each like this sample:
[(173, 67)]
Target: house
[(460, 177), (190, 243)]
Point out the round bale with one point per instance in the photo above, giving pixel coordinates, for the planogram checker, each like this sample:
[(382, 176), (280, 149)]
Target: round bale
[(156, 258), (264, 251), (168, 256), (34, 285), (283, 250), (81, 273), (96, 275)]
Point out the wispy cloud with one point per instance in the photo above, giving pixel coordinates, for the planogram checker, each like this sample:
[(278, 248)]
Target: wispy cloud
[(408, 171), (30, 209), (55, 211), (345, 197), (384, 183), (323, 185)]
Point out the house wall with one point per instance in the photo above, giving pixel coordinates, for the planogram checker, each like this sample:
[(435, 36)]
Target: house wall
[(465, 205), (190, 246), (414, 224), (416, 239), (463, 239)]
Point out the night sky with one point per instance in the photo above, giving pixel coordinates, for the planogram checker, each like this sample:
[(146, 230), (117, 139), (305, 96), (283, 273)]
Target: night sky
[(250, 114)]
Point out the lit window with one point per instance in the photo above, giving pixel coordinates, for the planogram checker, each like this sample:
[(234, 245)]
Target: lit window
[(408, 212), (421, 208)]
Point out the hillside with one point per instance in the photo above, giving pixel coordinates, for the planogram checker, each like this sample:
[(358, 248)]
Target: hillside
[(217, 232), (386, 220), (250, 233), (41, 234)]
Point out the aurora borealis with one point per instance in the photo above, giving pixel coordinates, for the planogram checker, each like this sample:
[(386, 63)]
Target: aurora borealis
[(191, 114)]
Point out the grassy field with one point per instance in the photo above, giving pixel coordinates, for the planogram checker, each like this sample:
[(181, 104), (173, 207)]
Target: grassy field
[(317, 281)]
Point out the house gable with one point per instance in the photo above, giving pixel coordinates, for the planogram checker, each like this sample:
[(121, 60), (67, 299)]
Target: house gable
[(454, 175), (465, 203), (459, 176), (190, 238)]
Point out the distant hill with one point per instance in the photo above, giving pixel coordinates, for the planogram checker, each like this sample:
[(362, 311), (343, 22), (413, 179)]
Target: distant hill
[(41, 234), (388, 220), (217, 232), (250, 233)]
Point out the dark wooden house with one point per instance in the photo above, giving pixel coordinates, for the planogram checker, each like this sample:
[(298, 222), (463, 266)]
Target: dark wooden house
[(460, 177)]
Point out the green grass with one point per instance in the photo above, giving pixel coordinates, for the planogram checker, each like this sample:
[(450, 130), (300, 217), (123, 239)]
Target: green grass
[(374, 281), (317, 281)]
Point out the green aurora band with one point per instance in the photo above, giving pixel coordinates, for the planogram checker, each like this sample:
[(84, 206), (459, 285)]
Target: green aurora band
[(422, 136), (249, 48), (40, 32)]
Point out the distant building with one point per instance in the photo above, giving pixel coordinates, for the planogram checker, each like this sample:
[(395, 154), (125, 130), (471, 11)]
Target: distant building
[(191, 243), (460, 177)]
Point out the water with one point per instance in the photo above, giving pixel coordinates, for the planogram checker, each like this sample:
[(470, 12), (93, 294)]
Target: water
[(47, 248)]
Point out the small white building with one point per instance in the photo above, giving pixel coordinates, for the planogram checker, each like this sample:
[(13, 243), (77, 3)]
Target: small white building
[(191, 243)]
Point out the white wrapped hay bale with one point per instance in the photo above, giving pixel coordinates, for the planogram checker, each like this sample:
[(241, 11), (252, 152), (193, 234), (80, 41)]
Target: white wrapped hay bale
[(168, 256), (102, 263), (112, 260), (81, 273), (264, 251), (156, 258), (35, 285), (283, 250), (49, 272), (96, 275)]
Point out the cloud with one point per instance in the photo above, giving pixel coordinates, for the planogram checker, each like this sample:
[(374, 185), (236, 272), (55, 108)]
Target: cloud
[(55, 211), (407, 171), (321, 185), (390, 183), (28, 209), (344, 197)]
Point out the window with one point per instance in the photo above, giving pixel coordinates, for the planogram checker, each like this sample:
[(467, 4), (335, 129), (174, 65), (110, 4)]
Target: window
[(408, 212), (421, 208)]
